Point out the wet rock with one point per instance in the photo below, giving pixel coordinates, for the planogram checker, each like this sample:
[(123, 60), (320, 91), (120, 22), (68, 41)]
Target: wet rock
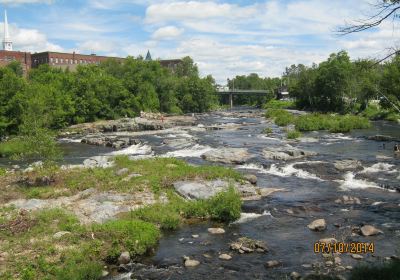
[(191, 263), (227, 155), (329, 263), (251, 178), (115, 142), (369, 230), (195, 236), (247, 245), (60, 234), (295, 275), (179, 143), (338, 260), (271, 264), (317, 225), (122, 171), (286, 153), (347, 165), (104, 273), (225, 257), (216, 230), (357, 256), (349, 267), (124, 258), (207, 189), (98, 161), (348, 200), (328, 240), (382, 138)]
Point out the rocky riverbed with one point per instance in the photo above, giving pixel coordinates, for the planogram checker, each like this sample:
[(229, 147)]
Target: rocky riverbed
[(299, 192)]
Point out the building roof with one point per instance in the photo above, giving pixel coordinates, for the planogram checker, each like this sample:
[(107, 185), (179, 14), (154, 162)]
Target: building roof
[(148, 56)]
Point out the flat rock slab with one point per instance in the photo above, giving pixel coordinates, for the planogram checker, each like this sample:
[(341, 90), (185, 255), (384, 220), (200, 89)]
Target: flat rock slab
[(286, 153), (227, 155), (92, 206), (207, 189)]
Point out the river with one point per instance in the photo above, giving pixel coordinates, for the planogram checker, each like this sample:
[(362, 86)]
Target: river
[(312, 186)]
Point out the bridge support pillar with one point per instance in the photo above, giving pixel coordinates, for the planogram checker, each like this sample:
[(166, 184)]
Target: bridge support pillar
[(231, 100)]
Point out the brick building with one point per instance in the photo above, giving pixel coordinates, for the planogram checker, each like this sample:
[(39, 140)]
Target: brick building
[(23, 57), (67, 60), (58, 59)]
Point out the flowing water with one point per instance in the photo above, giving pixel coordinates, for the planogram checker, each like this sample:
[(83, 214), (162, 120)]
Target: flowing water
[(312, 185)]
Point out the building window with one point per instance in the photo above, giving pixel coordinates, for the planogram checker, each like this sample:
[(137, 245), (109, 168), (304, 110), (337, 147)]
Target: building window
[(66, 61), (61, 60), (81, 61), (51, 60), (56, 60)]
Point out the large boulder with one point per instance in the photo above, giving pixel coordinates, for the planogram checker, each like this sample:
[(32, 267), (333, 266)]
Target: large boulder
[(317, 225), (98, 161), (207, 189), (347, 165), (369, 230), (286, 153), (227, 155)]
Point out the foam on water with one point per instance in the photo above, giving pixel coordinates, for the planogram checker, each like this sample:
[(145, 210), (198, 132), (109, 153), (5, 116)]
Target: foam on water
[(195, 151), (69, 140), (252, 166), (350, 183), (247, 217), (133, 150), (380, 167), (289, 170)]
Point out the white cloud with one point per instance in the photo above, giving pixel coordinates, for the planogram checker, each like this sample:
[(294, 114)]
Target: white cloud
[(30, 40), (98, 46), (167, 32)]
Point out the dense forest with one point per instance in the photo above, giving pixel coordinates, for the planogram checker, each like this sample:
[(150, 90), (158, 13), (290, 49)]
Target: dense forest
[(53, 98)]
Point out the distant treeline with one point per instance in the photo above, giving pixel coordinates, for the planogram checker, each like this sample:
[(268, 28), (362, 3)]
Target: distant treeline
[(335, 85), (341, 85), (54, 98)]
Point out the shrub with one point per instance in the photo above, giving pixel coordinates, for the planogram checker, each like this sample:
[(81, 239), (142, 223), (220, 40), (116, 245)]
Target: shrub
[(333, 123), (226, 206), (279, 104), (267, 130), (387, 271), (293, 134), (2, 172), (281, 117), (134, 236)]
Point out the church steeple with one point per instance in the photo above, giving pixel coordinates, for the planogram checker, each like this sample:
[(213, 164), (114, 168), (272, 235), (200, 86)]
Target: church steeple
[(148, 56), (7, 43)]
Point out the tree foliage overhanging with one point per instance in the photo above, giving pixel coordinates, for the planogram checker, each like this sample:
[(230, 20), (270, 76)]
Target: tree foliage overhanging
[(340, 85), (57, 98)]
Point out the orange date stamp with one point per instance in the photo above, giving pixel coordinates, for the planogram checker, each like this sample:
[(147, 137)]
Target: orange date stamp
[(344, 247)]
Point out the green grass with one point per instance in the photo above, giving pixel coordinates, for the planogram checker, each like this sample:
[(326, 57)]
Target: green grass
[(375, 112), (267, 130), (281, 117), (12, 147), (314, 122), (35, 254), (293, 134), (333, 123), (3, 172), (224, 207), (158, 174), (279, 104), (387, 271)]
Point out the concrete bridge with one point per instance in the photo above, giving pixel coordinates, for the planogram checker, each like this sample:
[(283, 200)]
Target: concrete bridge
[(232, 92)]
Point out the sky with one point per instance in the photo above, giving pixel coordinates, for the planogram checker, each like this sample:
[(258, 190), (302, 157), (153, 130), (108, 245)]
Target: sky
[(225, 38)]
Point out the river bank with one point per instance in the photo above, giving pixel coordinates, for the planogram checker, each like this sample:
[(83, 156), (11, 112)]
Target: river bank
[(348, 180)]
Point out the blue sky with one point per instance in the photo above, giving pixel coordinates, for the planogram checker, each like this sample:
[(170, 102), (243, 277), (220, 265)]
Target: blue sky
[(225, 38)]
